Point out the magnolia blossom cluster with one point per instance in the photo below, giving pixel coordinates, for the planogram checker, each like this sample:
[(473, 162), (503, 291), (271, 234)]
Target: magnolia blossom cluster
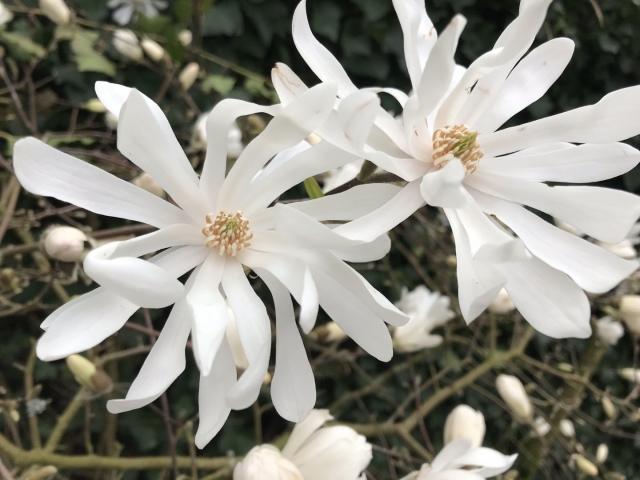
[(450, 152)]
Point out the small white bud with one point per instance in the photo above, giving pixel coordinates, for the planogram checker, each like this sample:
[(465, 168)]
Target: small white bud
[(464, 422), (502, 304), (630, 312), (111, 121), (126, 43), (95, 105), (188, 75), (585, 466), (602, 453), (6, 15), (609, 408), (329, 332), (145, 182), (514, 395), (609, 331), (57, 11), (64, 243), (566, 428), (630, 374), (185, 37), (541, 426), (87, 375), (153, 49)]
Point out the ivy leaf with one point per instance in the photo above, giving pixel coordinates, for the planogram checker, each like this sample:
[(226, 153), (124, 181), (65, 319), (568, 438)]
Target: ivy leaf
[(85, 56), (219, 83)]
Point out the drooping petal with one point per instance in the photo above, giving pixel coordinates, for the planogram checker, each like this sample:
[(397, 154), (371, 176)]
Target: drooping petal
[(366, 252), (450, 453), (213, 410), (287, 84), (309, 304), (142, 140), (487, 459), (443, 188), (357, 113), (612, 119), (303, 430), (293, 388), (43, 170), (594, 210)]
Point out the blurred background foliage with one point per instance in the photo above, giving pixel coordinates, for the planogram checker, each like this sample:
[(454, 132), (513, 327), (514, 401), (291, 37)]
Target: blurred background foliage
[(236, 43)]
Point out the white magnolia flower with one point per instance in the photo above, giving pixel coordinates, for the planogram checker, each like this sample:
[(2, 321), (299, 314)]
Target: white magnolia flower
[(234, 138), (6, 15), (426, 310), (502, 304), (125, 9), (452, 154), (127, 44), (465, 422), (609, 330), (514, 395), (64, 243), (630, 312), (311, 453), (458, 460), (221, 225)]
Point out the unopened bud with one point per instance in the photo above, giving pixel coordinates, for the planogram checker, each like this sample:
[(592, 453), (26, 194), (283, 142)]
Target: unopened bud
[(313, 139), (609, 331), (565, 367), (327, 333), (6, 15), (566, 428), (57, 11), (95, 105), (585, 466), (87, 375), (188, 75), (452, 261), (42, 472), (15, 415), (464, 422), (630, 374), (111, 121), (502, 304), (256, 124), (126, 43), (514, 395), (609, 408), (147, 183), (185, 37), (541, 426), (153, 49), (630, 312), (602, 453), (64, 243), (267, 379), (9, 280)]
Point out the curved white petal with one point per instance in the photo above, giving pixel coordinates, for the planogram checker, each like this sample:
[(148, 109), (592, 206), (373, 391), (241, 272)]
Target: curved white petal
[(287, 84), (602, 213), (580, 164), (211, 396), (43, 170), (142, 140), (612, 119), (443, 188), (309, 304), (450, 453), (357, 114), (366, 252), (293, 388), (304, 430), (399, 95)]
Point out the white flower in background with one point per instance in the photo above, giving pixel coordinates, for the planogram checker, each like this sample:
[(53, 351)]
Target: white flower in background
[(222, 224), (602, 453), (566, 428), (465, 422), (502, 304), (311, 453), (64, 243), (6, 15), (514, 395), (541, 426), (126, 44), (339, 176), (145, 182), (153, 49), (188, 75), (452, 154), (426, 310), (125, 9), (585, 465), (630, 312), (609, 331), (458, 460), (185, 37), (235, 146), (329, 332), (56, 10), (630, 374)]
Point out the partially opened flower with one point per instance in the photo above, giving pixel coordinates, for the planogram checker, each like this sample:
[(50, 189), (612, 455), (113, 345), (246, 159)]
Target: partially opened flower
[(426, 310), (452, 154), (465, 422), (126, 9), (221, 225), (458, 460), (311, 453)]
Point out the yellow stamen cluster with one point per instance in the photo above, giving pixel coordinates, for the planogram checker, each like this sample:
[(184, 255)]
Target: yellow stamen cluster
[(459, 142), (227, 232)]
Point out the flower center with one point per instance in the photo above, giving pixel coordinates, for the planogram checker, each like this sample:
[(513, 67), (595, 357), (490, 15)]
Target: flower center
[(227, 232), (459, 142)]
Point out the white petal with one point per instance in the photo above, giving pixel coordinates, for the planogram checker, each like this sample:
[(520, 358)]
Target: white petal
[(304, 430), (308, 303), (367, 252), (603, 213), (450, 453), (281, 159), (357, 113), (478, 282), (293, 389), (399, 95), (171, 236), (319, 59), (288, 128), (209, 312), (548, 299), (591, 267), (144, 141), (528, 82), (580, 164), (443, 188), (43, 170), (211, 396), (287, 84), (246, 391), (612, 119)]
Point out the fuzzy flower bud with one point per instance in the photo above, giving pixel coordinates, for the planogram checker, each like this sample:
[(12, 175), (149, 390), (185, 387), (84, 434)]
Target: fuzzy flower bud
[(185, 37), (502, 304), (514, 395), (87, 375), (541, 426), (585, 466), (64, 243), (602, 453), (566, 428), (609, 331), (57, 11), (464, 422), (609, 408), (95, 105), (6, 15), (327, 333), (630, 312), (153, 49), (188, 75), (126, 43), (147, 183), (630, 374), (111, 121)]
